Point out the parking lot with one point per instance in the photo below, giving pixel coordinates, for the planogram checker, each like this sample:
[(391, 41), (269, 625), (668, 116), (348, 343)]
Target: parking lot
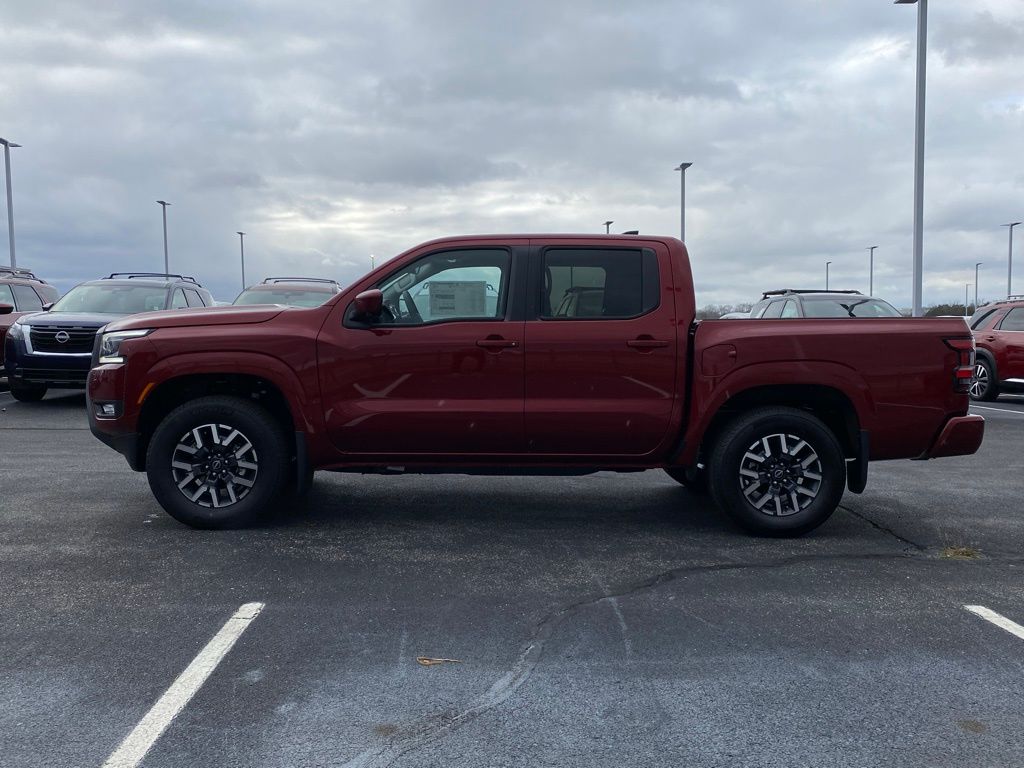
[(606, 620)]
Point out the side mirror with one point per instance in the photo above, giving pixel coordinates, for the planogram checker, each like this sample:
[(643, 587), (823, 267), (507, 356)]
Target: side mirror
[(369, 304), (6, 309), (49, 306)]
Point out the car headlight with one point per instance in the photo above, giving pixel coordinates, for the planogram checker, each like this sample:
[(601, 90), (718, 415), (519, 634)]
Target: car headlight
[(16, 331), (110, 344)]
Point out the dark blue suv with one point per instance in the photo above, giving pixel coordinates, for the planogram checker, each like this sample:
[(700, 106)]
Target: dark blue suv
[(53, 349)]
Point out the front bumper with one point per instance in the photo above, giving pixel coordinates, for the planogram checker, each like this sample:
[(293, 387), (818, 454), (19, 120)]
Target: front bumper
[(106, 385), (961, 436)]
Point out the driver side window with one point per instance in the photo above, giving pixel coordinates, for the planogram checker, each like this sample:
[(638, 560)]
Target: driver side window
[(451, 285)]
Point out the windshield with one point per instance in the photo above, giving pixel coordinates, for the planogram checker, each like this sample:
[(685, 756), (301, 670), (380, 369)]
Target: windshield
[(851, 307), (113, 299), (291, 298)]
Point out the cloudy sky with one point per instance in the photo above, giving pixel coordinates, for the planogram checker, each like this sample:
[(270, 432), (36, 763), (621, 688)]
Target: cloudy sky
[(330, 131)]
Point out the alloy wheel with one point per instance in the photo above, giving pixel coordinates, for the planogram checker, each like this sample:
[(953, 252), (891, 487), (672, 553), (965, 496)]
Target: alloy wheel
[(214, 465), (780, 475), (979, 385)]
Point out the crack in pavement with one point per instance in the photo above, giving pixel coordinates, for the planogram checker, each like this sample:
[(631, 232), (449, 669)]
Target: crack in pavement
[(879, 527), (433, 727)]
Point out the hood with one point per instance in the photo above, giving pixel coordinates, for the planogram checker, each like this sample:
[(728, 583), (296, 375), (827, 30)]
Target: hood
[(83, 319), (183, 318)]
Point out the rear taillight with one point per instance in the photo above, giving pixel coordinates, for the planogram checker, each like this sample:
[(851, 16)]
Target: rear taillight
[(964, 371)]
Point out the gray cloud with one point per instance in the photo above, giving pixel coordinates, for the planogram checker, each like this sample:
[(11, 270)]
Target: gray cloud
[(329, 131)]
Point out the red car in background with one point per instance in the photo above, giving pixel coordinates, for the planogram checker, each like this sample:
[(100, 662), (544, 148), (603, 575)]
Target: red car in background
[(23, 292), (999, 336)]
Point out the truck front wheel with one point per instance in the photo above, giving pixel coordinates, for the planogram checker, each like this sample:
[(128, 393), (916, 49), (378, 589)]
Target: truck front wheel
[(777, 472), (218, 462)]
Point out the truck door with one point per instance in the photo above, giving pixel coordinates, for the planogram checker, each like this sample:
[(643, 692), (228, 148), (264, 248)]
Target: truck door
[(441, 371), (600, 349)]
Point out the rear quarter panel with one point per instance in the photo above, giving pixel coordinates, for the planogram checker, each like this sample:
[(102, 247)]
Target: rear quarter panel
[(896, 372)]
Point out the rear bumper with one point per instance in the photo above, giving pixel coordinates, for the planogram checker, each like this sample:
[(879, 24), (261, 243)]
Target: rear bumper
[(961, 436)]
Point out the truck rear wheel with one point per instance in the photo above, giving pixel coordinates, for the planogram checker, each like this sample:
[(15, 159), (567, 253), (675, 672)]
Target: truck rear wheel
[(218, 462), (777, 472)]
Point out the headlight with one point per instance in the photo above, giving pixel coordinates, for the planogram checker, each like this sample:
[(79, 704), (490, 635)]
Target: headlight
[(16, 331), (110, 345)]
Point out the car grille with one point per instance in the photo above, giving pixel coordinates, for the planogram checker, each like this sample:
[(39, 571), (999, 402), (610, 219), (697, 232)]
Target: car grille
[(53, 375), (78, 340)]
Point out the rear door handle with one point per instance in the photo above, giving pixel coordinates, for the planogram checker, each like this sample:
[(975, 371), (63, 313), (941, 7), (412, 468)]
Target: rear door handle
[(496, 343), (646, 342)]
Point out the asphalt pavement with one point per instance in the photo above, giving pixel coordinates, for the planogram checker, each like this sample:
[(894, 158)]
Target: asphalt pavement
[(609, 620)]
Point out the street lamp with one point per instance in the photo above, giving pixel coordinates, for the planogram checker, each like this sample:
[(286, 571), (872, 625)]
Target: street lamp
[(978, 264), (608, 227), (1009, 255), (10, 202), (241, 247), (682, 199), (871, 271), (827, 265), (164, 204), (922, 59), (967, 287)]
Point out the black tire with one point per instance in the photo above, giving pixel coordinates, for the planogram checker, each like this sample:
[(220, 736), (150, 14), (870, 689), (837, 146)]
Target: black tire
[(28, 393), (985, 384), (794, 448), (693, 479), (233, 486)]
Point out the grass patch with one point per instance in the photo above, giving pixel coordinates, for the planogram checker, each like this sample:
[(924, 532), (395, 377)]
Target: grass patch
[(960, 553)]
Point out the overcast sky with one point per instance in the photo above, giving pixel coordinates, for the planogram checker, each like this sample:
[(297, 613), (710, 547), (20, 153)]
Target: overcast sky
[(330, 131)]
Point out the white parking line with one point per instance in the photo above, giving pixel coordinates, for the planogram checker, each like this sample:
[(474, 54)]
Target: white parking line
[(1001, 410), (144, 735), (1000, 621)]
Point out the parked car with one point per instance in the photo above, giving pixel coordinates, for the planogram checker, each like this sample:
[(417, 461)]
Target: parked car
[(999, 335), (735, 316), (290, 291), (789, 303), (23, 292), (227, 411), (54, 348)]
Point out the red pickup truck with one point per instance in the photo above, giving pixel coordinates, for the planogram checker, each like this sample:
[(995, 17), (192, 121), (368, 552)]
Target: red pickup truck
[(547, 354)]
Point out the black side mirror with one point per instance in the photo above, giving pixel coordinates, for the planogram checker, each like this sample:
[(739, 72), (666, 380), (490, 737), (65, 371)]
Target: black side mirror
[(48, 307), (6, 309)]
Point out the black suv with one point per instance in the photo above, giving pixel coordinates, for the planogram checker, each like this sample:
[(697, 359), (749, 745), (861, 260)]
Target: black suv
[(792, 303), (54, 348)]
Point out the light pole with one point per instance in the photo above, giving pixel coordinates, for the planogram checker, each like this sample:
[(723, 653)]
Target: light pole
[(1009, 255), (871, 271), (978, 264), (967, 287), (922, 60), (608, 227), (164, 204), (241, 247), (10, 202), (827, 265), (682, 199)]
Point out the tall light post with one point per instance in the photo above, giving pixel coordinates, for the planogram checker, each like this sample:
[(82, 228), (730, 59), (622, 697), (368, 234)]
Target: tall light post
[(967, 288), (682, 199), (241, 248), (978, 264), (1009, 254), (608, 227), (164, 204), (871, 270), (10, 201), (922, 60), (827, 265)]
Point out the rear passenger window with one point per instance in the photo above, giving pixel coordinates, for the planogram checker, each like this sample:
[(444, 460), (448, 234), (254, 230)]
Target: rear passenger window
[(773, 312), (598, 283), (981, 316), (193, 298), (27, 299), (178, 302), (6, 297), (1014, 321)]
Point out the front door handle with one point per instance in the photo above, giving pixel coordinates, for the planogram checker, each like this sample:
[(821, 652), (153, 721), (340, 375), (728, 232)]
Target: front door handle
[(496, 343), (644, 343)]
